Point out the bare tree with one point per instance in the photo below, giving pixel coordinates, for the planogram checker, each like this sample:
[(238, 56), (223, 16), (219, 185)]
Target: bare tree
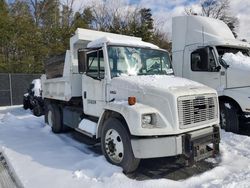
[(111, 14), (190, 11), (37, 7)]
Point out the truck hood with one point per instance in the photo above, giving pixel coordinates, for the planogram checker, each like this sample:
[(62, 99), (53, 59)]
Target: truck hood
[(158, 92), (155, 85)]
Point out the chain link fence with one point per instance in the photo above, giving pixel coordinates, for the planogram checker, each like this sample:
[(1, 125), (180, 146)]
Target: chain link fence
[(13, 86)]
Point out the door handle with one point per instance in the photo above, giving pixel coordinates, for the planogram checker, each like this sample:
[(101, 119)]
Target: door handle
[(222, 73), (85, 94)]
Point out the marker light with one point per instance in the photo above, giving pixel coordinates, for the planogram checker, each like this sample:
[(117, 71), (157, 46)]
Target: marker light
[(131, 100)]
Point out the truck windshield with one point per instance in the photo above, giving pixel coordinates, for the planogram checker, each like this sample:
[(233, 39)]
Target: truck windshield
[(138, 61), (222, 50)]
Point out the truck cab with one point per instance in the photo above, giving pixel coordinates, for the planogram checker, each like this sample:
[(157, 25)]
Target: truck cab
[(121, 91), (199, 45)]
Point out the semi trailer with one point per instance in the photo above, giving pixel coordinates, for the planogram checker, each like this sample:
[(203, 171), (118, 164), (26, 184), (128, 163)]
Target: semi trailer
[(198, 48)]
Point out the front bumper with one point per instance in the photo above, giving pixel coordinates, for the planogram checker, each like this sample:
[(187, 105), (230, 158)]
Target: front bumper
[(195, 145)]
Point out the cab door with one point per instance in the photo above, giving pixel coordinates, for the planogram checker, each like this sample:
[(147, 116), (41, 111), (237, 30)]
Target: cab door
[(93, 83), (202, 66)]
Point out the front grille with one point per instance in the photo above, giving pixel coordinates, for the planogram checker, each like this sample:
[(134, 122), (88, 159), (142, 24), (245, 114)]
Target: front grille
[(194, 110)]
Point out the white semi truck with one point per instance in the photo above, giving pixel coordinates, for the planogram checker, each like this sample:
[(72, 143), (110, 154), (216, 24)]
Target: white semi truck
[(198, 45), (121, 91)]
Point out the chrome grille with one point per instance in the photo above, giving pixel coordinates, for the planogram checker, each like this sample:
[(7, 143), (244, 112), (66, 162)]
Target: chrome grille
[(195, 110)]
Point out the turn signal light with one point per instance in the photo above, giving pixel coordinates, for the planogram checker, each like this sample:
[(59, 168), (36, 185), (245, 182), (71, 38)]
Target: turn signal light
[(131, 100)]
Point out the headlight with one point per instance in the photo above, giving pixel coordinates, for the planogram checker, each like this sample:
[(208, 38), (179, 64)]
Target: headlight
[(148, 121)]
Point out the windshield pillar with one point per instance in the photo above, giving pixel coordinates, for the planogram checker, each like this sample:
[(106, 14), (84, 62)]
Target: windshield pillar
[(106, 63)]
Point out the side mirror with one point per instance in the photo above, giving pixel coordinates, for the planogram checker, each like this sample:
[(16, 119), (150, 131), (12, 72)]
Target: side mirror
[(82, 61), (223, 63)]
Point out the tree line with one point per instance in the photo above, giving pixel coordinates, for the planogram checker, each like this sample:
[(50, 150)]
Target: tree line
[(33, 30)]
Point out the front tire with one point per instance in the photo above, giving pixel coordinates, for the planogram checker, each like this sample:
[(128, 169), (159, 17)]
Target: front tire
[(229, 118), (116, 145)]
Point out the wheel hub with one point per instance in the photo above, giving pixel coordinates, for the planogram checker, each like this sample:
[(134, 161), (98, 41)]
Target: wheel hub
[(114, 146), (50, 118), (111, 146)]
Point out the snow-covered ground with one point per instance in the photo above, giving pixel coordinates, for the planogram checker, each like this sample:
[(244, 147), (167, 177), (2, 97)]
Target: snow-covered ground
[(40, 158)]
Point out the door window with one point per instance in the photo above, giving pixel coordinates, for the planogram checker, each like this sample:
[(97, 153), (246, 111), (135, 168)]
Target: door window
[(203, 60), (95, 64)]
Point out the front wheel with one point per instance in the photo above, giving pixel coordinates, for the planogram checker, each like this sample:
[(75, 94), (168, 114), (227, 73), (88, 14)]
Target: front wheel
[(229, 119), (116, 145)]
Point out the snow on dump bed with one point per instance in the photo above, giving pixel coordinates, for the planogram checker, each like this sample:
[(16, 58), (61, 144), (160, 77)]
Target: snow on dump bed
[(42, 159), (120, 41), (237, 60), (159, 81)]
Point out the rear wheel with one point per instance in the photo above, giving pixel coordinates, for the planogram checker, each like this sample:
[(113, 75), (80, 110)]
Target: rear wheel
[(53, 117), (116, 145), (37, 110), (229, 118), (25, 103)]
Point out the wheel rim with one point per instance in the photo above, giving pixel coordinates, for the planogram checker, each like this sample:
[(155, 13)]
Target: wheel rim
[(50, 118), (114, 146)]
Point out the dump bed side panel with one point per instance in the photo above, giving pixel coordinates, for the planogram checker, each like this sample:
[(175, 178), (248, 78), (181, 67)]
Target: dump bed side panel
[(63, 88), (59, 82)]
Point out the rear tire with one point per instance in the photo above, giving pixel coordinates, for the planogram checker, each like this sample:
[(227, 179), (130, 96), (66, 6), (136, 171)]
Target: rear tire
[(116, 145), (229, 118), (54, 119), (25, 103), (37, 111)]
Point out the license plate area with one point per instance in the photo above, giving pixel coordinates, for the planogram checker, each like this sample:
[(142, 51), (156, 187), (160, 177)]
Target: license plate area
[(201, 146), (202, 151)]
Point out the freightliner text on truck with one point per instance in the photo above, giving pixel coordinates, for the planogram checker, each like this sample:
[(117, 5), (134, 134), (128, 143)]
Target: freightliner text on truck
[(121, 91), (198, 45)]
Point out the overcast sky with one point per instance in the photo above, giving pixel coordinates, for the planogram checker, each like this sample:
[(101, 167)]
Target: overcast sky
[(166, 9)]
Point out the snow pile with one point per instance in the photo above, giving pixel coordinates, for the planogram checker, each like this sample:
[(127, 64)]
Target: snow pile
[(43, 159), (238, 60), (37, 87)]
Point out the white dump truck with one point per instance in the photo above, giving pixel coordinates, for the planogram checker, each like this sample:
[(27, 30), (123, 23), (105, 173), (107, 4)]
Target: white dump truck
[(121, 91), (199, 45)]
